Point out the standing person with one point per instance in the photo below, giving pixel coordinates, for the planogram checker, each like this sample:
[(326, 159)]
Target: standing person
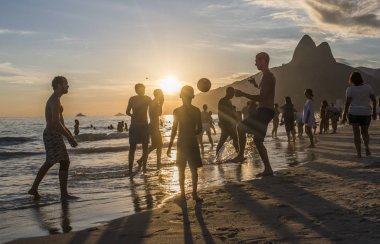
[(53, 140), (258, 122), (323, 116), (276, 121), (187, 120), (299, 123), (308, 116), (334, 117), (139, 130), (155, 112), (205, 116), (212, 122), (76, 127), (288, 118), (359, 110), (226, 116)]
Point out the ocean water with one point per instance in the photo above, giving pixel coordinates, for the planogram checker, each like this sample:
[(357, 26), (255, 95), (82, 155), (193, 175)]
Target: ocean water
[(98, 174)]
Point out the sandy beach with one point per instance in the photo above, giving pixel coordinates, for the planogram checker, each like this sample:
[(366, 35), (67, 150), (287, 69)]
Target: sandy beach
[(333, 199)]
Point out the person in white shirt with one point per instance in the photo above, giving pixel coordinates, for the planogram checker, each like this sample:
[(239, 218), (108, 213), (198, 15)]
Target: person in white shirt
[(359, 110), (308, 116)]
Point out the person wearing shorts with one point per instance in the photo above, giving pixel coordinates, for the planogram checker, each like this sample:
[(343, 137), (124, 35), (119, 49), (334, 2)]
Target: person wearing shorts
[(257, 123), (187, 121), (359, 111), (53, 140), (139, 129)]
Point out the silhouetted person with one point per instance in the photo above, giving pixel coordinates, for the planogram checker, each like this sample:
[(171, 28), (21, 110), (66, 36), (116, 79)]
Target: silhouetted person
[(359, 110), (334, 115), (226, 116), (299, 123), (308, 116), (212, 122), (276, 120), (53, 140), (205, 117), (288, 118), (126, 126), (257, 124), (76, 127), (187, 120), (155, 112), (323, 115), (139, 130)]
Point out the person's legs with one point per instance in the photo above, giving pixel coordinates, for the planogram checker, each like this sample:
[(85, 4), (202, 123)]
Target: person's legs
[(159, 153), (40, 175), (200, 141), (222, 140), (365, 136), (208, 132), (242, 139), (357, 139), (145, 149), (181, 178), (63, 177), (131, 156), (294, 134), (288, 134), (309, 133), (321, 126), (194, 179), (264, 157)]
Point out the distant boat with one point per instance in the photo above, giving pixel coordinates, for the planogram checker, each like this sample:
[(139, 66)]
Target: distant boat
[(119, 114), (80, 115)]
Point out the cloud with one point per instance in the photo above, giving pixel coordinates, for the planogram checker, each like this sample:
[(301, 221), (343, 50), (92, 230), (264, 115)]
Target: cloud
[(335, 18), (16, 32), (11, 74)]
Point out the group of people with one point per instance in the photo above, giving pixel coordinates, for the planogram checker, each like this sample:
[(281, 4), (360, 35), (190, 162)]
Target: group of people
[(189, 123)]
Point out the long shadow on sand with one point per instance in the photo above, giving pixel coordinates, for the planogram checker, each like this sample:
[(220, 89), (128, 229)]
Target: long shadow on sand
[(298, 205)]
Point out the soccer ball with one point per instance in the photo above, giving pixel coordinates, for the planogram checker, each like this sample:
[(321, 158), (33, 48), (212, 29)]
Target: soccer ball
[(204, 85)]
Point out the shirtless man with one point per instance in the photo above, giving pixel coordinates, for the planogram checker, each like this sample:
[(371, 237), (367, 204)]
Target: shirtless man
[(206, 127), (187, 120), (257, 123), (155, 112), (53, 140), (139, 130)]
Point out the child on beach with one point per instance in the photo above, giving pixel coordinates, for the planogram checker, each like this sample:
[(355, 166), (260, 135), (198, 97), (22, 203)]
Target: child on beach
[(308, 116), (359, 110), (288, 118), (187, 120)]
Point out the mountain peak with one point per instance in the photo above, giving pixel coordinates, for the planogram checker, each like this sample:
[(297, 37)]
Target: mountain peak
[(307, 52)]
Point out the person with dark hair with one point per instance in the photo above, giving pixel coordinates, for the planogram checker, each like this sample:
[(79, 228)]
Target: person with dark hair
[(257, 123), (187, 121), (53, 140), (359, 110), (288, 118), (226, 116), (308, 118), (155, 112), (276, 121), (139, 129), (323, 116), (205, 116), (76, 127)]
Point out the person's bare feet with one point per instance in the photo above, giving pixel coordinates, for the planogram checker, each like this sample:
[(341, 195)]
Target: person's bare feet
[(238, 159), (35, 194), (264, 174), (66, 197)]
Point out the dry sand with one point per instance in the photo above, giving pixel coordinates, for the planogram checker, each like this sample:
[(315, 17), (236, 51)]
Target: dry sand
[(333, 199)]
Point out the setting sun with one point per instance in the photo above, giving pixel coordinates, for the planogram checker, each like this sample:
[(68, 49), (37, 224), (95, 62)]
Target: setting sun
[(169, 85)]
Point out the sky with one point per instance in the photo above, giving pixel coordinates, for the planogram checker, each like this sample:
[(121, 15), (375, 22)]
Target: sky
[(105, 47)]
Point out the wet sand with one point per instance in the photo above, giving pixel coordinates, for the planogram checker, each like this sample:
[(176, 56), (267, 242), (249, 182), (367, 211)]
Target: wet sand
[(333, 199)]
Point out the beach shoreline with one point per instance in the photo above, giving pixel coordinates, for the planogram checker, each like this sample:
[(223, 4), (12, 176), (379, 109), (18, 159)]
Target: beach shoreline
[(333, 199)]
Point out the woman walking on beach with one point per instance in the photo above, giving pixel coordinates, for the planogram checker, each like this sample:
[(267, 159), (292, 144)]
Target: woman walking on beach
[(308, 116), (359, 110)]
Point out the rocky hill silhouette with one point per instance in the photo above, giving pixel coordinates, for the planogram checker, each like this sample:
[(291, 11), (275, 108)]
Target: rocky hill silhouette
[(312, 67)]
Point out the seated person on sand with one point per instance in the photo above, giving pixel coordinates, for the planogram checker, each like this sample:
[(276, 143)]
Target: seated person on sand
[(187, 121)]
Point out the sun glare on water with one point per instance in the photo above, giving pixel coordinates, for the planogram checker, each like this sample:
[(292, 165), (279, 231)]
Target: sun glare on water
[(169, 85)]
